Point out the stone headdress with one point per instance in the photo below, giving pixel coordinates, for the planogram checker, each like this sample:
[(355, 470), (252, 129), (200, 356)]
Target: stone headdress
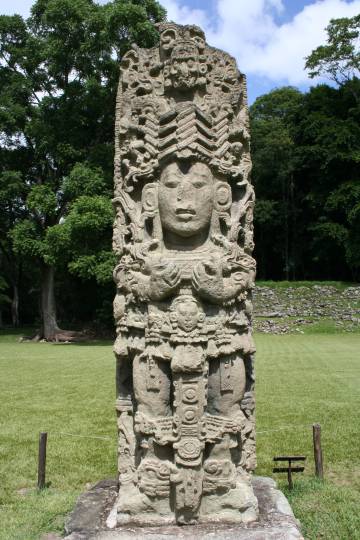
[(183, 100)]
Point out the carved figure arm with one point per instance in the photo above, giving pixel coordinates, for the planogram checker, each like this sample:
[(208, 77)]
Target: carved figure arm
[(209, 282), (164, 279), (157, 281)]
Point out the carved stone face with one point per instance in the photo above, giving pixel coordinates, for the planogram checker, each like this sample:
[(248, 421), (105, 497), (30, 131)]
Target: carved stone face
[(185, 71), (186, 199), (187, 315)]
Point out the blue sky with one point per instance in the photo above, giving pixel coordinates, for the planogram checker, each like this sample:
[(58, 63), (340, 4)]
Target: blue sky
[(269, 38)]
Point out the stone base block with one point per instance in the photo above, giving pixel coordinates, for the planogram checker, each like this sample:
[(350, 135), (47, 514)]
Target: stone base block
[(93, 518)]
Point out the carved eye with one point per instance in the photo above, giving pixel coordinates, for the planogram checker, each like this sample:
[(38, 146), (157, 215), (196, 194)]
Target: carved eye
[(199, 184), (190, 63), (171, 183)]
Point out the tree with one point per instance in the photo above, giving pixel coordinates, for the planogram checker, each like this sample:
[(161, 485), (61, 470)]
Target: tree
[(4, 299), (306, 156), (12, 197), (327, 134), (58, 73), (339, 59), (273, 173)]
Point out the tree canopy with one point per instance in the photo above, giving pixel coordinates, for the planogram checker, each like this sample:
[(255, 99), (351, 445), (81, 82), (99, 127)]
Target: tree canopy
[(58, 76), (339, 59), (306, 150)]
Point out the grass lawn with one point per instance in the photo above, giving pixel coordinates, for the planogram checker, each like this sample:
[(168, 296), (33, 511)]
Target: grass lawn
[(69, 389)]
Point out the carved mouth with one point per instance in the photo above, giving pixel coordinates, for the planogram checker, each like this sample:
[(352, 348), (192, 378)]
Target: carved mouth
[(185, 214)]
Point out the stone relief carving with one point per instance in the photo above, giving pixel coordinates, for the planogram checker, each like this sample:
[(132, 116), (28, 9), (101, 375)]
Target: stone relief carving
[(183, 236)]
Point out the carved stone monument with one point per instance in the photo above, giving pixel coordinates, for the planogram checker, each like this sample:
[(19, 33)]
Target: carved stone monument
[(183, 236)]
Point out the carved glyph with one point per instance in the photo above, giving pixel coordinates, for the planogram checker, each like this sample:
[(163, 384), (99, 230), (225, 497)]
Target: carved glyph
[(183, 237)]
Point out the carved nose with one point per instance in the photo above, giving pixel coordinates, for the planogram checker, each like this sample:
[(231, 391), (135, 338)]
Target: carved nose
[(180, 193)]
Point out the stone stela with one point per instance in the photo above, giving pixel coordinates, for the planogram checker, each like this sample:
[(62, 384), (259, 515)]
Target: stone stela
[(183, 237)]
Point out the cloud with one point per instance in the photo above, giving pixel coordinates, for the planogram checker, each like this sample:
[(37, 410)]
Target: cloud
[(263, 46), (183, 14), (252, 31)]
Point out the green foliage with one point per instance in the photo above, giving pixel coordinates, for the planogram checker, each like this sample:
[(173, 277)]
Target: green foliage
[(99, 266), (339, 59), (83, 180), (306, 176), (266, 211), (58, 77), (90, 214), (41, 202), (25, 237), (273, 152)]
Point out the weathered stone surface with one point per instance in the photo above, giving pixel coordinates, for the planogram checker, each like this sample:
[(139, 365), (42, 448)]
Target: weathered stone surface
[(183, 236), (275, 522), (92, 509)]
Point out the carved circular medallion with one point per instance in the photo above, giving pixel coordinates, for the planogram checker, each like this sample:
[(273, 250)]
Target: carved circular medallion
[(190, 395), (190, 414), (189, 449)]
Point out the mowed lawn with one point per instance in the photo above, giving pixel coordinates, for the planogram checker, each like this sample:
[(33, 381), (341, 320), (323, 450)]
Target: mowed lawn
[(68, 390)]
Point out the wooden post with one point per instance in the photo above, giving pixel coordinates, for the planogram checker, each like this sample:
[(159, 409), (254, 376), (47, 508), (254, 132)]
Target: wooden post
[(318, 456), (289, 476), (289, 469), (42, 460)]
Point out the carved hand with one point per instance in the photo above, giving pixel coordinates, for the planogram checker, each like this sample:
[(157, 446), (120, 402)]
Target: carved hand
[(164, 280), (208, 280), (235, 284)]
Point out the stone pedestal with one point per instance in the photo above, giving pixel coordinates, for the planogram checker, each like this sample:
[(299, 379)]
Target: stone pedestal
[(94, 515)]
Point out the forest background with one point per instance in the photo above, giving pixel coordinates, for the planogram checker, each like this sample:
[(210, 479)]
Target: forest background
[(58, 78)]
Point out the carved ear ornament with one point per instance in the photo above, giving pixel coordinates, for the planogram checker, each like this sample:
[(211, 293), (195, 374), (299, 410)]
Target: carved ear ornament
[(150, 199), (222, 197)]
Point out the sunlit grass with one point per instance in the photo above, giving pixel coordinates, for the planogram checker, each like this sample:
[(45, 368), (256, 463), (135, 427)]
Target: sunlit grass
[(66, 389)]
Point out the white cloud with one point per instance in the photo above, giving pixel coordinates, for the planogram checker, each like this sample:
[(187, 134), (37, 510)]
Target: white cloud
[(182, 14), (250, 31)]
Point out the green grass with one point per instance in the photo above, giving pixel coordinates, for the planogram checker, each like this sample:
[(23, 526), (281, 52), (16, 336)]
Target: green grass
[(301, 379)]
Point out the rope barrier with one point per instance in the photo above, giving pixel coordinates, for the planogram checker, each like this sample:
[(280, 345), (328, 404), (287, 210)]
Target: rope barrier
[(285, 427), (63, 433), (66, 434)]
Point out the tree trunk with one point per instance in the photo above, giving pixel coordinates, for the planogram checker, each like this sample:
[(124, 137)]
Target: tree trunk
[(50, 330), (15, 306), (48, 305), (1, 319), (285, 196)]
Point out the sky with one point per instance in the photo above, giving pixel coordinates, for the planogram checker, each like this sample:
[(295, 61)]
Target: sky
[(269, 38)]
